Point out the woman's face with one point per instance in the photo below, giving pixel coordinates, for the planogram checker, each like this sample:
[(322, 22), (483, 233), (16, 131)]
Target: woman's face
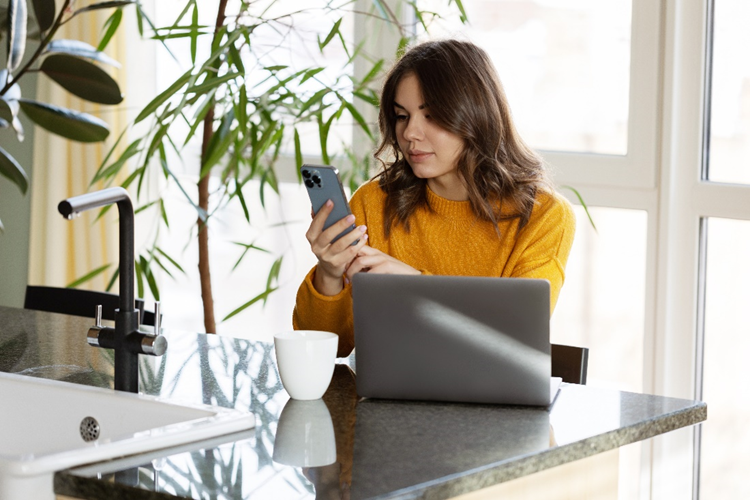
[(431, 151)]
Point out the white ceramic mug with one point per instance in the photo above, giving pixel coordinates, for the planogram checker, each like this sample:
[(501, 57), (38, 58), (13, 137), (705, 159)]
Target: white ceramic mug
[(304, 436), (306, 359)]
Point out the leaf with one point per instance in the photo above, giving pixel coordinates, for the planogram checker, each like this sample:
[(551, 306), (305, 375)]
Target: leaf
[(331, 34), (263, 296), (17, 21), (79, 49), (357, 116), (583, 204), (104, 5), (211, 83), (236, 58), (164, 96), (170, 259), (317, 97), (297, 153), (10, 168), (112, 279), (163, 211), (87, 277), (82, 78), (402, 46), (370, 99), (44, 11), (14, 91), (110, 26), (372, 73), (8, 109), (139, 276), (194, 34), (310, 73), (464, 18), (65, 122), (146, 270)]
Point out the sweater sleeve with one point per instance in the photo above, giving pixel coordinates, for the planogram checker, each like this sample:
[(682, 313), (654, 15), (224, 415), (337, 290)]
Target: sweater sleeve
[(544, 244), (315, 311)]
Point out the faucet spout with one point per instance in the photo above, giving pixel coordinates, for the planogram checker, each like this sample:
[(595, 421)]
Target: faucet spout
[(73, 206)]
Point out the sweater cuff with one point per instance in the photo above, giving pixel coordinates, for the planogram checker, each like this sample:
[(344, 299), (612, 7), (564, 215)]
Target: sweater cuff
[(319, 296)]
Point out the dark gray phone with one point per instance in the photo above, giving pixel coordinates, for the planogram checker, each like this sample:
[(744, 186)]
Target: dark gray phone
[(323, 184)]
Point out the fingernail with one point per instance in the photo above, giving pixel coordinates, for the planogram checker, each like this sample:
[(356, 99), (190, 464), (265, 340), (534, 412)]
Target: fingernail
[(350, 218), (329, 203), (362, 229), (366, 237)]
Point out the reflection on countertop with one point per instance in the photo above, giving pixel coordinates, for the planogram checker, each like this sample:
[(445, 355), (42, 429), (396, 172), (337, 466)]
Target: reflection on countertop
[(382, 448)]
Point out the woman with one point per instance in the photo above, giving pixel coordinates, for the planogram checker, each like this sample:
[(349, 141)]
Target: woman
[(459, 192)]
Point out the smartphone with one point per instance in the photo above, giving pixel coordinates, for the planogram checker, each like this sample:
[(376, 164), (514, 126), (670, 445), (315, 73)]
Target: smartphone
[(323, 183)]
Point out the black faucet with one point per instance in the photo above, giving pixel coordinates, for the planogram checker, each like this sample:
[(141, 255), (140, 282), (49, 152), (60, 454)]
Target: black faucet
[(125, 338)]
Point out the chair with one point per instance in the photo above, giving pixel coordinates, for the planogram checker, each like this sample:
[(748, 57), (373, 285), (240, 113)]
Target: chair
[(571, 363), (79, 302)]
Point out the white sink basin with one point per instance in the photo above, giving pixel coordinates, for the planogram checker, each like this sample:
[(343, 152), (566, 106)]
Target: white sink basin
[(46, 426)]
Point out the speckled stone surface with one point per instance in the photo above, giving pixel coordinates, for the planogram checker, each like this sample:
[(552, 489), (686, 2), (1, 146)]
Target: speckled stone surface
[(384, 449)]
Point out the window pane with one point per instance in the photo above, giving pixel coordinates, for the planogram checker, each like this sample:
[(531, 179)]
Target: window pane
[(602, 307), (565, 65), (725, 439), (729, 155)]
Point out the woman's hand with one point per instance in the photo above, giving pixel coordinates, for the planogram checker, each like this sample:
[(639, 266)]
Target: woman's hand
[(372, 260), (333, 258)]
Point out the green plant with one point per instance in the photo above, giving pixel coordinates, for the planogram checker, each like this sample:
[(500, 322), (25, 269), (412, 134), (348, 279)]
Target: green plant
[(72, 64), (246, 108)]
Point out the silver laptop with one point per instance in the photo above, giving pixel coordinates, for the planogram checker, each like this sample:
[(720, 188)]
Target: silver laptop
[(453, 338)]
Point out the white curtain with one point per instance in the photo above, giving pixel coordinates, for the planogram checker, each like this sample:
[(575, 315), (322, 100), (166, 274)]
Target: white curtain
[(62, 251)]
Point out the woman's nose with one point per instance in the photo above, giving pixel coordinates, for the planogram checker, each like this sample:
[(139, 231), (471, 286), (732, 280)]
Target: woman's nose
[(414, 130)]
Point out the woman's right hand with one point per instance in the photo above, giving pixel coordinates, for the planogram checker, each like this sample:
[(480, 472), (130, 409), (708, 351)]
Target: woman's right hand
[(333, 258)]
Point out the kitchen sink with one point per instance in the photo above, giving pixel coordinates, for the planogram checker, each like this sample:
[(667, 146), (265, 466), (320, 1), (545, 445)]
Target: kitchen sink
[(49, 425)]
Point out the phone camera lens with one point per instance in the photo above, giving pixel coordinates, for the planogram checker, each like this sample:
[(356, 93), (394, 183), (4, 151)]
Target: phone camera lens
[(316, 179), (309, 183), (306, 174)]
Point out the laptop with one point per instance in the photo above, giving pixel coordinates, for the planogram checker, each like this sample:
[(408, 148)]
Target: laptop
[(453, 339)]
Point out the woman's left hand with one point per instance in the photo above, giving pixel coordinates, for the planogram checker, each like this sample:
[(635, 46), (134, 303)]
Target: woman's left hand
[(372, 260)]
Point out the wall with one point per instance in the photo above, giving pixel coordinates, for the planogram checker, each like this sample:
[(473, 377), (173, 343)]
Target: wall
[(15, 209)]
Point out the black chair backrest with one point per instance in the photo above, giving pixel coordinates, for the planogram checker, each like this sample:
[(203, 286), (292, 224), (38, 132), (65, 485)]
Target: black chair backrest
[(79, 302), (571, 363)]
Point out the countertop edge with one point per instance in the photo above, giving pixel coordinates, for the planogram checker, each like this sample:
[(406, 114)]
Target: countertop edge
[(493, 474)]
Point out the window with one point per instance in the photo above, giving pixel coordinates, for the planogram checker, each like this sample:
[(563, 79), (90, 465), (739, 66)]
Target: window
[(565, 66), (724, 437)]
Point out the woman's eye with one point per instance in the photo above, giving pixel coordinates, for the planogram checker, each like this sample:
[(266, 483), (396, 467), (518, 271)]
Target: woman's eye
[(400, 118)]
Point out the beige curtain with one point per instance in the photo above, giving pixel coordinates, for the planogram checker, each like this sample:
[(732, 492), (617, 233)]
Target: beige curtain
[(62, 251)]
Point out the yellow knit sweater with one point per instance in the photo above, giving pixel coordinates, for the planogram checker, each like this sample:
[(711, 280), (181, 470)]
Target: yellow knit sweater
[(448, 240)]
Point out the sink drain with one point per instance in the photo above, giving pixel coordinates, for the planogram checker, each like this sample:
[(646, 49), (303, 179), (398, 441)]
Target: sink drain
[(89, 429)]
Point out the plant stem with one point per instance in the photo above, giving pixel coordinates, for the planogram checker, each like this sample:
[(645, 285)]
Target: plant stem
[(204, 266)]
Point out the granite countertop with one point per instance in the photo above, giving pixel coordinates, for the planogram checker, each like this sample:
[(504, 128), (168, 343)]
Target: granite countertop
[(383, 449)]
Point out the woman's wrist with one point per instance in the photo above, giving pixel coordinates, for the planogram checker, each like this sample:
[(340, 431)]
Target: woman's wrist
[(326, 284)]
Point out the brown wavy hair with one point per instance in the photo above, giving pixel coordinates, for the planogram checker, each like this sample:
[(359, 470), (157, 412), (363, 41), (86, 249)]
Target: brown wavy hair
[(460, 85)]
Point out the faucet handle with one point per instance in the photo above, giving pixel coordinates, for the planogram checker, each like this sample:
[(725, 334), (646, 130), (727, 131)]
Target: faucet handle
[(92, 337), (157, 318)]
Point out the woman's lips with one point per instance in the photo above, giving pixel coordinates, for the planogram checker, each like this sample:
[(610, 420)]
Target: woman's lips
[(418, 156)]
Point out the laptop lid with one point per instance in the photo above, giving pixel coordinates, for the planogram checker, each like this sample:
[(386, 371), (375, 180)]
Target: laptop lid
[(452, 338)]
